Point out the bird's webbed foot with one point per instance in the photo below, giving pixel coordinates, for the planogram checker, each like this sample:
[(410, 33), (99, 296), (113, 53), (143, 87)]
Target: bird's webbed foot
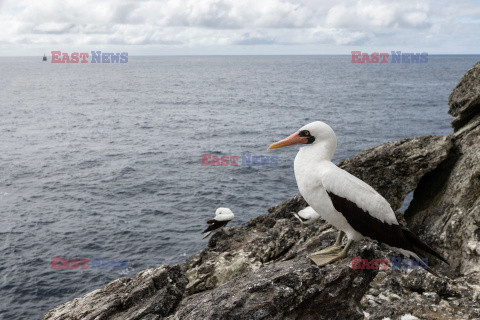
[(330, 254)]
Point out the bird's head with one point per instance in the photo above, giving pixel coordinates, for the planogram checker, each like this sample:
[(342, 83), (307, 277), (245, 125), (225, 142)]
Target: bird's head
[(223, 214), (312, 134)]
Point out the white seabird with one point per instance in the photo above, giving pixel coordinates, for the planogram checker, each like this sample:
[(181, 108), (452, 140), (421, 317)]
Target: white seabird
[(343, 200), (307, 216), (222, 217)]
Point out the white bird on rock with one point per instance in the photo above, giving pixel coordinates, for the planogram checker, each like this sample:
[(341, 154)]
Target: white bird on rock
[(307, 216), (343, 200), (222, 217)]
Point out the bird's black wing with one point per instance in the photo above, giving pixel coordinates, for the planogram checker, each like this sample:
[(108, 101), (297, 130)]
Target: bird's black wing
[(215, 224), (367, 225)]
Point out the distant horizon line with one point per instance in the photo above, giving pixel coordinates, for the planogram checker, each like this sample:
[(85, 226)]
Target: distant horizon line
[(247, 55)]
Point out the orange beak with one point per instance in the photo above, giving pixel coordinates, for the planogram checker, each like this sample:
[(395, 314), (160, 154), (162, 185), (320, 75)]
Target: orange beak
[(289, 141)]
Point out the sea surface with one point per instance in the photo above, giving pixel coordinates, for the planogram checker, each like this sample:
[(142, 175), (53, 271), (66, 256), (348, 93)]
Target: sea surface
[(104, 160)]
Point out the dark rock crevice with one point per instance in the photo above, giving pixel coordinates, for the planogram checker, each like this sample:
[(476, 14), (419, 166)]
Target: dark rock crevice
[(469, 113), (394, 169), (430, 187)]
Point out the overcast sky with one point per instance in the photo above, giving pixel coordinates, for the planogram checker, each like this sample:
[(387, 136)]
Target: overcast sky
[(238, 26)]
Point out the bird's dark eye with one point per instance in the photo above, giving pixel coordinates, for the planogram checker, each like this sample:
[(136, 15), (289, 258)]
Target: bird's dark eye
[(305, 133), (308, 135)]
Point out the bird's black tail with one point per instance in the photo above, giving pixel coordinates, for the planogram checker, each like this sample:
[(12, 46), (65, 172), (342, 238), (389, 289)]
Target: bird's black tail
[(419, 244), (431, 271)]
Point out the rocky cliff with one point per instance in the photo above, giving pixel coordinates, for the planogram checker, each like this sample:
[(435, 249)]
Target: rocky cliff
[(261, 270)]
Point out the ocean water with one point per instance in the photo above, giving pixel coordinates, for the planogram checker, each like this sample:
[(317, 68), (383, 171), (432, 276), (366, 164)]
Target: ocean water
[(104, 160)]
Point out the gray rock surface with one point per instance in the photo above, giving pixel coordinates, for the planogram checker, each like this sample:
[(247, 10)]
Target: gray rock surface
[(291, 289), (152, 294), (446, 206), (261, 270), (464, 101), (392, 295)]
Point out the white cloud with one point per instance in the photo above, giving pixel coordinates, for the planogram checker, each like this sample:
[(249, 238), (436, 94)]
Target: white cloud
[(378, 15), (53, 27), (234, 23)]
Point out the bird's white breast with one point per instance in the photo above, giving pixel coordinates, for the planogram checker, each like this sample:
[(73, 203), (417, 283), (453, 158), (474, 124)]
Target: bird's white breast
[(309, 181)]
